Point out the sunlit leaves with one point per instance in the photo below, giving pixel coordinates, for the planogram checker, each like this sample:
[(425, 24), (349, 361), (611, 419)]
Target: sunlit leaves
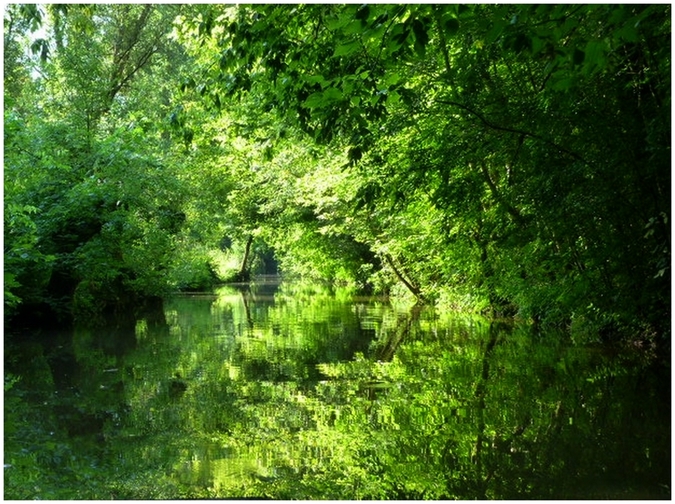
[(457, 125), (98, 174), (322, 99)]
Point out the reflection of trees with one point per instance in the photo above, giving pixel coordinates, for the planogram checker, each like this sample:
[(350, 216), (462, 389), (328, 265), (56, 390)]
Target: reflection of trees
[(484, 412), (497, 417), (392, 338), (481, 389), (506, 427), (544, 429), (247, 298), (78, 407)]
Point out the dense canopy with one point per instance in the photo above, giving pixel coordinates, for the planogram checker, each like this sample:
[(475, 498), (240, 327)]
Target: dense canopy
[(337, 251), (506, 159)]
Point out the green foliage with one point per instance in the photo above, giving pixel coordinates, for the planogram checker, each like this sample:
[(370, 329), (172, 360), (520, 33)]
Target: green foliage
[(513, 159), (505, 149), (26, 269), (474, 134), (104, 199), (300, 392), (194, 271)]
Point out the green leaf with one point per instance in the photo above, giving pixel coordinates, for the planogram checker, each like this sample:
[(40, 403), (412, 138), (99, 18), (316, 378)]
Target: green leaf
[(347, 49), (316, 79), (337, 23), (348, 85), (332, 94), (399, 32), (495, 32), (393, 98), (392, 79), (322, 99), (36, 46), (420, 32), (464, 10), (419, 49), (595, 56), (570, 24), (537, 45), (628, 34), (563, 82), (355, 27)]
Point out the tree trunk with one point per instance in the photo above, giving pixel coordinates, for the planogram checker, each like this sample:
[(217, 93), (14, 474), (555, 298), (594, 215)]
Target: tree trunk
[(411, 287), (244, 274)]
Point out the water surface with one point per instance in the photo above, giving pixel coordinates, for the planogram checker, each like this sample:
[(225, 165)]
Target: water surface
[(294, 391)]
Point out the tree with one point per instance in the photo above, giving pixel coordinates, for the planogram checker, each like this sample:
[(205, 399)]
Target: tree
[(79, 160), (489, 115), (483, 156)]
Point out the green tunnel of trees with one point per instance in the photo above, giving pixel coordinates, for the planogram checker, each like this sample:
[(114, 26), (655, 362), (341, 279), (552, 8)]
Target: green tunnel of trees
[(510, 159)]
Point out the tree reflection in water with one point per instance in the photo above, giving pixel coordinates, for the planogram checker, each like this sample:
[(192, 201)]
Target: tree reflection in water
[(297, 392)]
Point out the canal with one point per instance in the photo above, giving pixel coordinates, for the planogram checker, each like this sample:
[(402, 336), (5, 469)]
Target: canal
[(298, 391)]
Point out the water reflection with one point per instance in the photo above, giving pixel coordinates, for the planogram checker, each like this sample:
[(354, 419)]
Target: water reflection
[(295, 391)]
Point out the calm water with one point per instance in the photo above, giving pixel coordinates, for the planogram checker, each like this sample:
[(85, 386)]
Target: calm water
[(290, 391)]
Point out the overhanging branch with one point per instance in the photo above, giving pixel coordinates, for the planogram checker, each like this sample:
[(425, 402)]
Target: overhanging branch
[(516, 131), (411, 287)]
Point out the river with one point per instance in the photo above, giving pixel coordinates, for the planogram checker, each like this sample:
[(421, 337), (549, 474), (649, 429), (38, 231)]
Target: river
[(297, 391)]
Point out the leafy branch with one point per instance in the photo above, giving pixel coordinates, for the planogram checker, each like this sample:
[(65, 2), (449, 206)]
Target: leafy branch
[(516, 131)]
